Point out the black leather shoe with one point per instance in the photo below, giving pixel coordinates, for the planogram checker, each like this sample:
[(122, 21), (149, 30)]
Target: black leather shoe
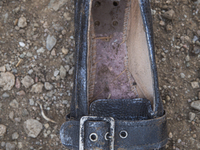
[(116, 102)]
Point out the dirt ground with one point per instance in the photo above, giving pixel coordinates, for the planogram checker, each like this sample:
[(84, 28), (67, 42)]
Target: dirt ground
[(37, 63)]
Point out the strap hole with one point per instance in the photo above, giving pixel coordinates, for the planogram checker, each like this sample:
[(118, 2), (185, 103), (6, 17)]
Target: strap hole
[(97, 4), (123, 134), (97, 23), (115, 23), (93, 137), (115, 3)]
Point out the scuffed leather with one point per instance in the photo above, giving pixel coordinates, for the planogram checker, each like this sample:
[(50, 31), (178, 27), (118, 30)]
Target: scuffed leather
[(122, 109), (142, 134)]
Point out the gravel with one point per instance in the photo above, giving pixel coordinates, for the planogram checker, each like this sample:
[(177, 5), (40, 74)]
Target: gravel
[(2, 130), (32, 127), (22, 22), (27, 81), (50, 42), (37, 88), (7, 80)]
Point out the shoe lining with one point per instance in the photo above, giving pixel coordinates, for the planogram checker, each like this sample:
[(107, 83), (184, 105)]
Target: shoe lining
[(118, 59)]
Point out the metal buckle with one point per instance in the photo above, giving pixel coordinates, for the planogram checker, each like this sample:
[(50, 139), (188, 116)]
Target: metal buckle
[(95, 118)]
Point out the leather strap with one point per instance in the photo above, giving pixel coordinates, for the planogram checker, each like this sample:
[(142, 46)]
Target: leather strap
[(141, 135)]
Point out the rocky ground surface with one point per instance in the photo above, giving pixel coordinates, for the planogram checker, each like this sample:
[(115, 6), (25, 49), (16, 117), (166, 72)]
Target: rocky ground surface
[(37, 63)]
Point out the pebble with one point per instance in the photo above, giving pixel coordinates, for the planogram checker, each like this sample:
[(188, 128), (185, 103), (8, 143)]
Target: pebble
[(67, 16), (63, 72), (32, 127), (196, 105), (65, 51), (41, 50), (53, 52), (56, 5), (50, 42), (21, 93), (196, 50), (71, 71), (56, 72), (191, 116), (187, 58), (14, 104), (7, 80), (22, 22), (162, 23), (10, 146), (182, 75), (11, 115), (2, 130), (29, 54), (30, 71), (27, 81), (46, 125), (48, 86), (22, 44), (3, 144), (15, 136), (170, 135), (169, 14), (17, 83), (169, 27), (195, 85), (20, 145), (31, 102), (2, 69), (5, 95), (37, 88)]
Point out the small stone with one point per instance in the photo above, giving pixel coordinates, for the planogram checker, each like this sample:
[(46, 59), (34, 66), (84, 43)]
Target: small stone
[(63, 72), (41, 50), (162, 23), (11, 115), (195, 85), (179, 141), (2, 130), (56, 72), (198, 32), (15, 136), (30, 71), (170, 135), (191, 116), (37, 88), (182, 75), (64, 32), (2, 69), (22, 44), (21, 93), (187, 58), (169, 27), (53, 52), (10, 146), (46, 125), (14, 104), (67, 16), (22, 22), (169, 14), (7, 80), (17, 83), (48, 86), (29, 54), (65, 51), (196, 50), (27, 81), (50, 42), (5, 95), (196, 105), (32, 127), (3, 144), (31, 102), (20, 145), (71, 71)]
